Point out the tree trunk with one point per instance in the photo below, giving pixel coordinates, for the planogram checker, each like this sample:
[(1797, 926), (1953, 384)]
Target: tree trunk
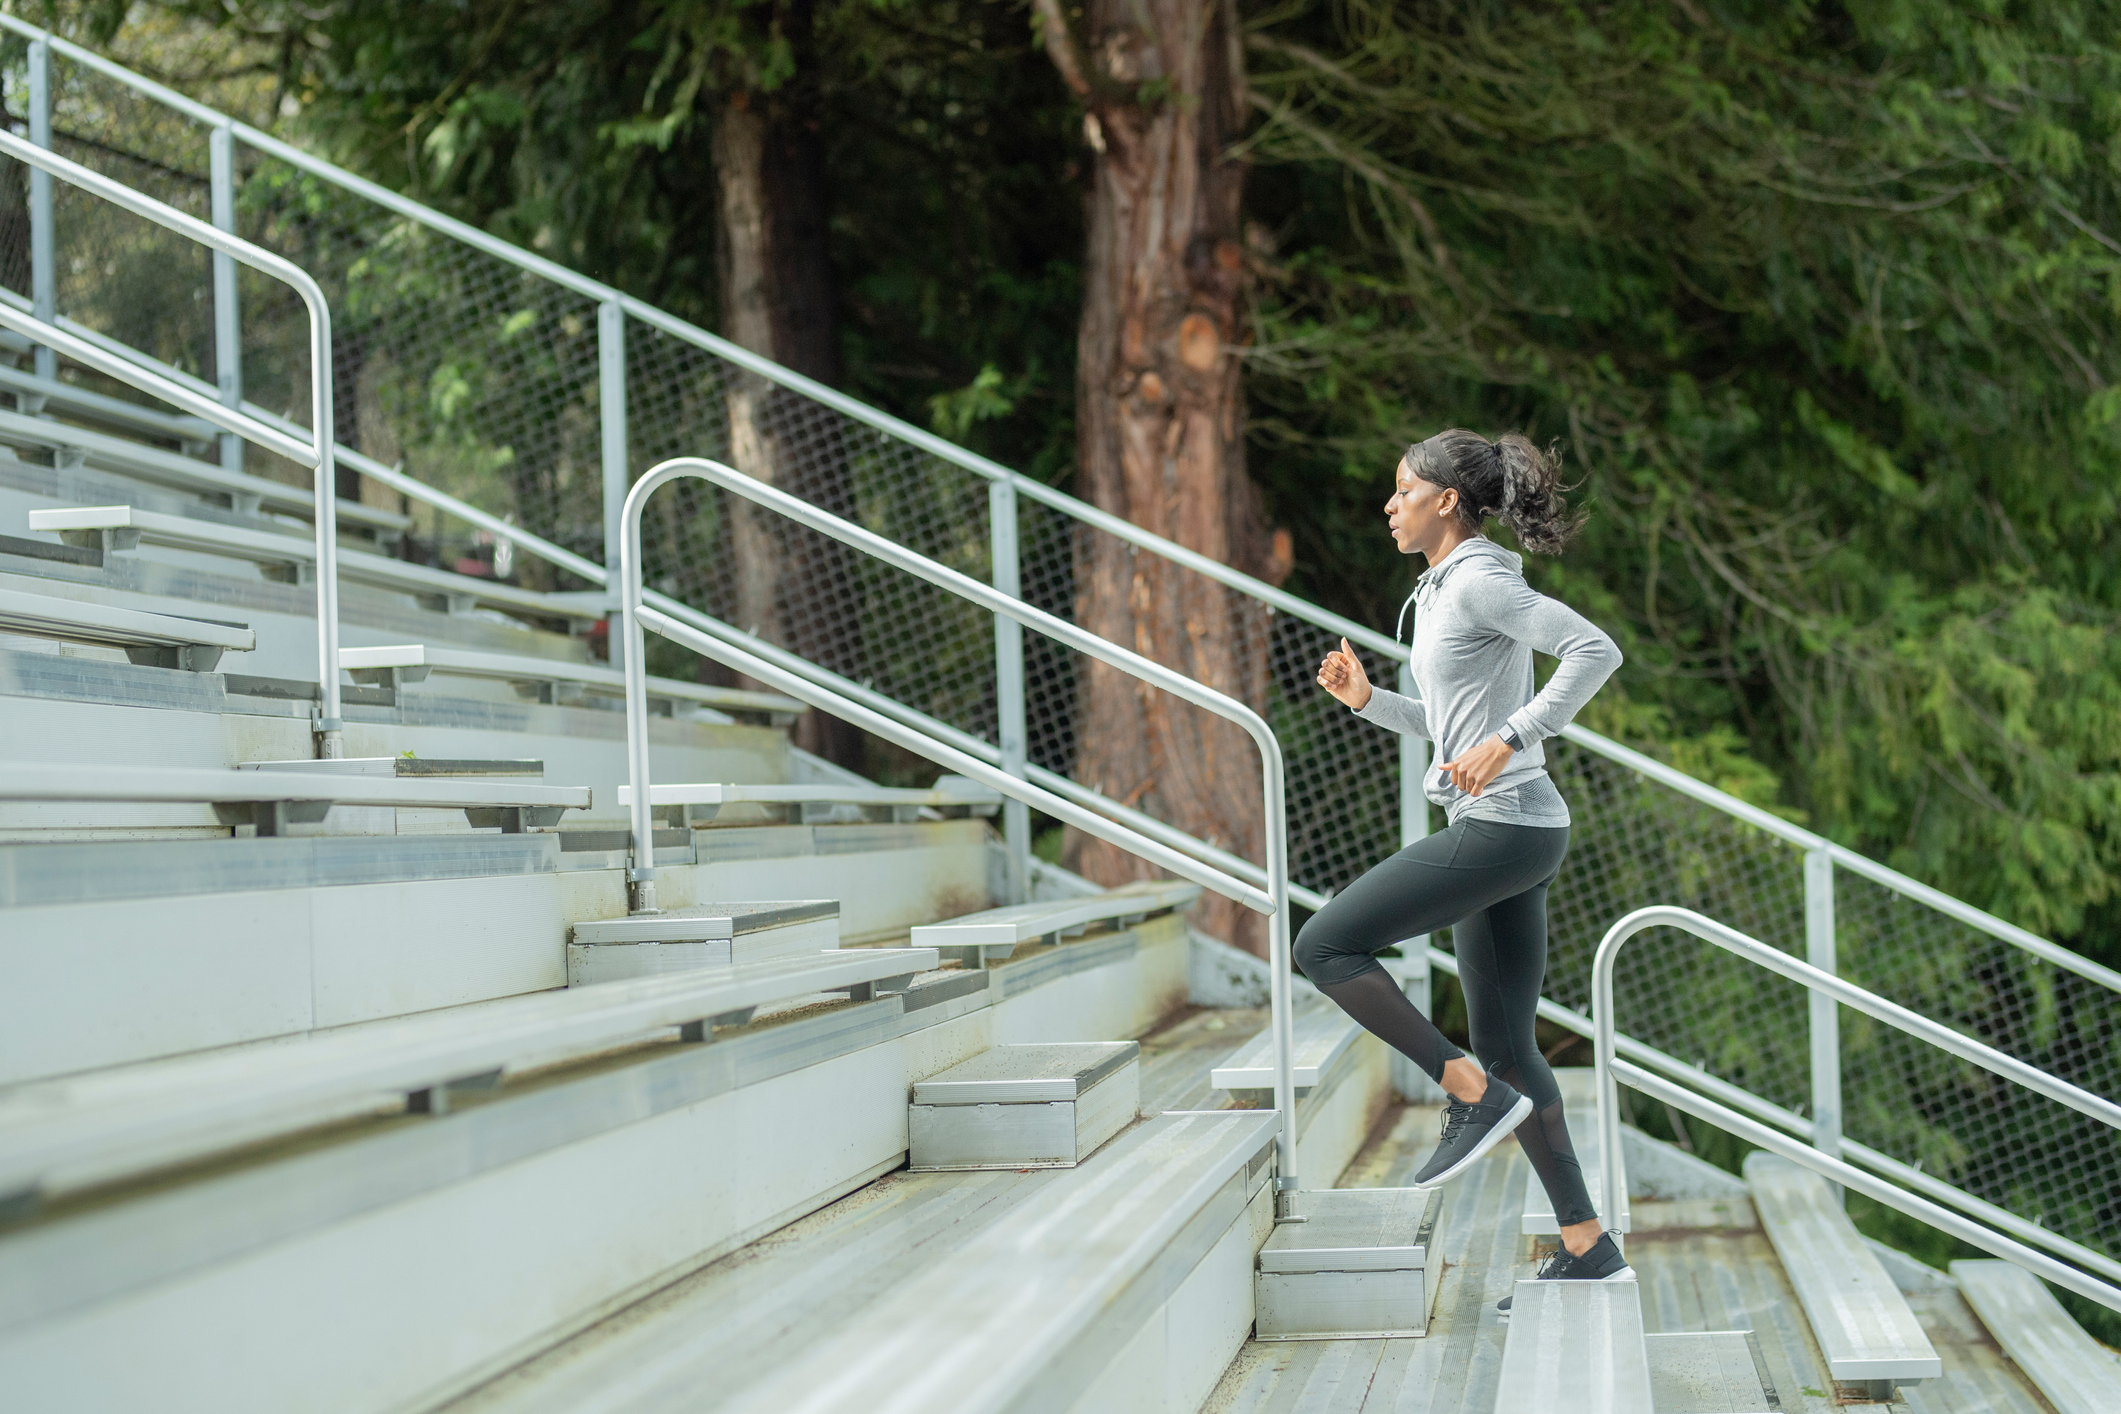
[(1160, 426), (793, 587)]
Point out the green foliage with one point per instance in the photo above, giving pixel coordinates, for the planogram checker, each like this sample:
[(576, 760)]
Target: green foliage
[(1822, 303)]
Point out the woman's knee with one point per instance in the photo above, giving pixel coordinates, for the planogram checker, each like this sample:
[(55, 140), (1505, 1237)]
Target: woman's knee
[(1320, 952)]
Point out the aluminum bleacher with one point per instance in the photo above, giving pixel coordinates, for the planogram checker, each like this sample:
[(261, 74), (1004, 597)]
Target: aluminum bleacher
[(355, 1066)]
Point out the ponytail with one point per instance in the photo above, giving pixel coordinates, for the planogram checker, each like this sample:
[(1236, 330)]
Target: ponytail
[(1509, 479)]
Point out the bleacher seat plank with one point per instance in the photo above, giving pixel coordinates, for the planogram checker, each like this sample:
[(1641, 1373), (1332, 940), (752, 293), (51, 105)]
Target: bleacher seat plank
[(409, 658), (2076, 1373), (998, 931), (268, 548), (64, 1133), (85, 621), (1863, 1324), (152, 464)]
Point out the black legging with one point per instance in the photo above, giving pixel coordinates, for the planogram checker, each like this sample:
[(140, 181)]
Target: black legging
[(1487, 883)]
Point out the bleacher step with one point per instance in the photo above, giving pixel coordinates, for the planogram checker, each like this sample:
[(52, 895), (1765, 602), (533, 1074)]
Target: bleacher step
[(1358, 1267), (702, 802), (2076, 1373), (704, 935), (405, 768), (1709, 1372), (1019, 1107), (1871, 1339), (979, 937), (1575, 1346), (1320, 1035)]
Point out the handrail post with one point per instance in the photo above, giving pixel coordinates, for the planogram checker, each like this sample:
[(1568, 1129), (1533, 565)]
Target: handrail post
[(611, 423), (1009, 725), (228, 326), (1824, 1012), (628, 647), (1416, 976), (43, 269), (331, 726)]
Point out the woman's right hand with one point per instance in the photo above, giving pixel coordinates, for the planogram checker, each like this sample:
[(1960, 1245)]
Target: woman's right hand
[(1342, 675)]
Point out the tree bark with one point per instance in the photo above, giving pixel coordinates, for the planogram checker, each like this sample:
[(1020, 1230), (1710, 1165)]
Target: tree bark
[(793, 587), (1160, 426)]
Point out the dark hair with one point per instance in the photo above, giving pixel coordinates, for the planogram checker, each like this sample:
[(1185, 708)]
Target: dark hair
[(1507, 478)]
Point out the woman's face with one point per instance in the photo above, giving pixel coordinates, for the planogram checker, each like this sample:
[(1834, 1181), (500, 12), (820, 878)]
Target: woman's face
[(1419, 511)]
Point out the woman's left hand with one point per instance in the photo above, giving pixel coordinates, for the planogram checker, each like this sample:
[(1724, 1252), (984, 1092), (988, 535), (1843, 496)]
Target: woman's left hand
[(1474, 769)]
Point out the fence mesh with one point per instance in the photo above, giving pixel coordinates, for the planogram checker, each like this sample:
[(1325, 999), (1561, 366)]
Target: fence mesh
[(482, 380)]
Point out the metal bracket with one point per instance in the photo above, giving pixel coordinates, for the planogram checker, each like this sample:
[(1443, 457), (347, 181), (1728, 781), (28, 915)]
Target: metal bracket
[(189, 657), (393, 679), (877, 987), (271, 817), (704, 1030), (514, 819), (435, 1099), (1285, 1190), (114, 540)]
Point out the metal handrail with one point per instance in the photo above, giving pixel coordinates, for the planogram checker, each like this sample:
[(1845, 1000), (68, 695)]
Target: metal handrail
[(1276, 900), (1609, 1068), (1070, 506), (317, 456)]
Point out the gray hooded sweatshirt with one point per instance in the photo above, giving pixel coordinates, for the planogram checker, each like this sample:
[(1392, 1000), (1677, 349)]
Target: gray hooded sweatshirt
[(1476, 623)]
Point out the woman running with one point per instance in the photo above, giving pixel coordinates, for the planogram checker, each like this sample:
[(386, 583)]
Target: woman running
[(1485, 876)]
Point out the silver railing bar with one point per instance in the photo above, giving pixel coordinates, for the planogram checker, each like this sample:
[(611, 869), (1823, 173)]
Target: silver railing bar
[(1731, 940), (1846, 993), (1848, 1175), (1039, 491), (1271, 769), (330, 727)]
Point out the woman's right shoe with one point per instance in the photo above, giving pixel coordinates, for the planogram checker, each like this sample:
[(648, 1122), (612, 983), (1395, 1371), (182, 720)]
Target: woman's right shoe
[(1470, 1129), (1602, 1263)]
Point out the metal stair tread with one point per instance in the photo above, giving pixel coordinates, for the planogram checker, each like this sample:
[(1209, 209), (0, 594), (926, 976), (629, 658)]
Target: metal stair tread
[(1026, 1074), (1321, 1035), (1576, 1345), (1707, 1372), (1351, 1230), (704, 922)]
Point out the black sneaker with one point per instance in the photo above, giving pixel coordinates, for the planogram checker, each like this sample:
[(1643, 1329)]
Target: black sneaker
[(1470, 1130), (1602, 1263)]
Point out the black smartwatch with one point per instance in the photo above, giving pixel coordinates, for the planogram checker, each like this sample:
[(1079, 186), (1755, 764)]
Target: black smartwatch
[(1509, 737)]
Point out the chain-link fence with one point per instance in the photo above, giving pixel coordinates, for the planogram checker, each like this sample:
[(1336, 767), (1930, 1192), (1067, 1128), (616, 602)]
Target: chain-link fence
[(481, 379), (1637, 843)]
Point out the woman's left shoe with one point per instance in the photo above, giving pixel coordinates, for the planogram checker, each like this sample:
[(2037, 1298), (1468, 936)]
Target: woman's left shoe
[(1602, 1263), (1470, 1129)]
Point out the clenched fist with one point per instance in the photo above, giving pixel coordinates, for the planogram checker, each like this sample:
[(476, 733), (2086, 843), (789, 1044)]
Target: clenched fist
[(1342, 675)]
